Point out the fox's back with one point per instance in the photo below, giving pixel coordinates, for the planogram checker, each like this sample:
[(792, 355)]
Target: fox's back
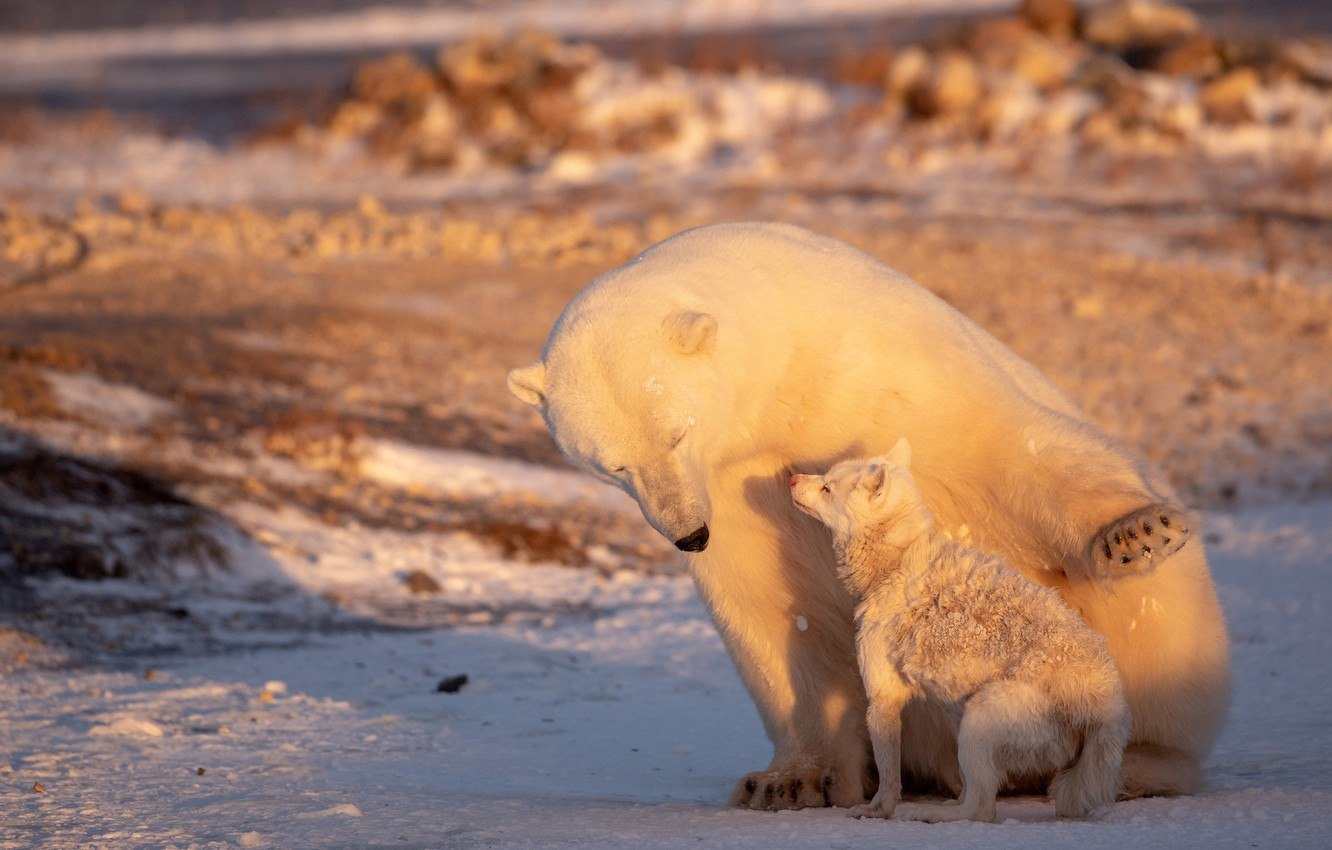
[(954, 618)]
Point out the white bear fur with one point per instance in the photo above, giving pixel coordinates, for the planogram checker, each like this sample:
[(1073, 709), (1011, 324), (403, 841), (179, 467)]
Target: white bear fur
[(699, 376)]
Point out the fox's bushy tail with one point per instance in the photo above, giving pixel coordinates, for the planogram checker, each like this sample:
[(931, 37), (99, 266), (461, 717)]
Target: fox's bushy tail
[(1088, 784)]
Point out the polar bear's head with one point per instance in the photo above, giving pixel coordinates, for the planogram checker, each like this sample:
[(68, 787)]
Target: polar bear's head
[(876, 495), (632, 403)]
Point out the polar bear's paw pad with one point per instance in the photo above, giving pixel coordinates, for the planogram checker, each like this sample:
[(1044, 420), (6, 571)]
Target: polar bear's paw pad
[(796, 788), (1142, 539)]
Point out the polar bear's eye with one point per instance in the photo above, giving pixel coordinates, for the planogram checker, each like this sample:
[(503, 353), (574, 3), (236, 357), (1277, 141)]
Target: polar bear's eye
[(675, 441)]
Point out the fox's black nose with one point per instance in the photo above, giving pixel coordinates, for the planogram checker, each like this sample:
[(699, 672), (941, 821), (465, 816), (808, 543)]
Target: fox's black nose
[(696, 542)]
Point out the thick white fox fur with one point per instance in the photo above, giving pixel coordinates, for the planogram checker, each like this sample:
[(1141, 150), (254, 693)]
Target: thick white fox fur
[(941, 619), (700, 375)]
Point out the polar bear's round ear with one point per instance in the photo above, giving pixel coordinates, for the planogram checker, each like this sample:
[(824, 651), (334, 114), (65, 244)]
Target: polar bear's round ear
[(692, 332), (529, 384), (900, 453)]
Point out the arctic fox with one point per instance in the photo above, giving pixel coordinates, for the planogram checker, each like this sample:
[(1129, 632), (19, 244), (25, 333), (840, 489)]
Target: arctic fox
[(937, 617)]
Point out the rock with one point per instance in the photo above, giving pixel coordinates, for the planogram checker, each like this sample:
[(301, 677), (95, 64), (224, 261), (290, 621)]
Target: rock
[(397, 81), (1124, 23), (435, 136), (452, 684), (907, 69), (995, 41), (1229, 99), (1127, 101), (418, 581), (131, 202), (1311, 58), (1044, 63), (1054, 18), (951, 85), (1198, 56)]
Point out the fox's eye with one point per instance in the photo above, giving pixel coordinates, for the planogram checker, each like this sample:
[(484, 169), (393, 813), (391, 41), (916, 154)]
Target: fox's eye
[(616, 471), (675, 441), (825, 489)]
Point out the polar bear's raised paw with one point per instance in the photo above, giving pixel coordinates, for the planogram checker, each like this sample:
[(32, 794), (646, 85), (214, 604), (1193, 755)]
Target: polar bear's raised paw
[(1139, 541), (794, 788)]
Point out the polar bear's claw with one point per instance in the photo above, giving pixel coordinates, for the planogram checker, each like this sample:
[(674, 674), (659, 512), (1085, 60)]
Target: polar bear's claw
[(775, 790), (1140, 540)]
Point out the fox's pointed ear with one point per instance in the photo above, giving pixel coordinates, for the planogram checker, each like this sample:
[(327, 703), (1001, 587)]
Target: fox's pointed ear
[(692, 332), (900, 454), (529, 384), (874, 482)]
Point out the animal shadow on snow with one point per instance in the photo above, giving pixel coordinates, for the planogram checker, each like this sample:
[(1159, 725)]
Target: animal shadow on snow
[(101, 560)]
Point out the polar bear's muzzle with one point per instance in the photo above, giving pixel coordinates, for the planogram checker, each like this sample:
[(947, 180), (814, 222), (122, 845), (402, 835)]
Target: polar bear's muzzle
[(695, 542)]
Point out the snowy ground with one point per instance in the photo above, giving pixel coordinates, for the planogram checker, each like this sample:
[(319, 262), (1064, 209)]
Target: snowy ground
[(325, 385), (609, 717)]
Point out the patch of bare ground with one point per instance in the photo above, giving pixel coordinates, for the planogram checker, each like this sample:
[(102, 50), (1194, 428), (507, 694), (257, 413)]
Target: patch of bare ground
[(1215, 374)]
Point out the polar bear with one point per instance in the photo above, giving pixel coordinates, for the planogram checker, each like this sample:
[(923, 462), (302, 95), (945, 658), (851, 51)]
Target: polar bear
[(702, 374)]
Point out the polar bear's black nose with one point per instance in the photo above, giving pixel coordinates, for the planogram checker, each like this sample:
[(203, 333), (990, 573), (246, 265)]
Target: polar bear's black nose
[(696, 542)]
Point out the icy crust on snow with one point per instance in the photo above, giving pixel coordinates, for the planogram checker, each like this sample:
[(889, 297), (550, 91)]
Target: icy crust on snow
[(460, 473), (628, 728), (108, 403)]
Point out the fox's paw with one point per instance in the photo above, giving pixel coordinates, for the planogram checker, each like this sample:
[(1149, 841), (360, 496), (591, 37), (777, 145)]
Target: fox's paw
[(800, 787), (881, 806), (1139, 541), (944, 812)]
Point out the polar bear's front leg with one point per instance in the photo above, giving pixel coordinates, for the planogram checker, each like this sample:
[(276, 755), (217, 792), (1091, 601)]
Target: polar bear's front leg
[(787, 624), (1142, 539)]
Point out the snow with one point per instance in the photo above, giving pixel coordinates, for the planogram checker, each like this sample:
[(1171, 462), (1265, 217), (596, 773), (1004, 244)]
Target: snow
[(614, 720), (460, 473), (63, 55), (117, 404)]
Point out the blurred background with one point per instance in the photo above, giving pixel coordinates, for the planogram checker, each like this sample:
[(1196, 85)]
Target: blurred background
[(264, 265), (236, 233)]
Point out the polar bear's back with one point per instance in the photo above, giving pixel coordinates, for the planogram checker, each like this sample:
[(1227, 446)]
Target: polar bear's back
[(768, 280)]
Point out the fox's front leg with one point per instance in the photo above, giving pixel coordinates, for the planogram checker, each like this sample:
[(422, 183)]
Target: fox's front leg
[(888, 696)]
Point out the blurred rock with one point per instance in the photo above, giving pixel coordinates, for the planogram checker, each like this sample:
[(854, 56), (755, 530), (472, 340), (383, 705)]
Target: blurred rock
[(421, 582), (1229, 99), (434, 139), (397, 81), (1311, 58), (35, 248), (1127, 101), (1198, 56), (907, 69), (1055, 18), (1044, 63), (994, 42), (1124, 23), (950, 85), (355, 118)]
